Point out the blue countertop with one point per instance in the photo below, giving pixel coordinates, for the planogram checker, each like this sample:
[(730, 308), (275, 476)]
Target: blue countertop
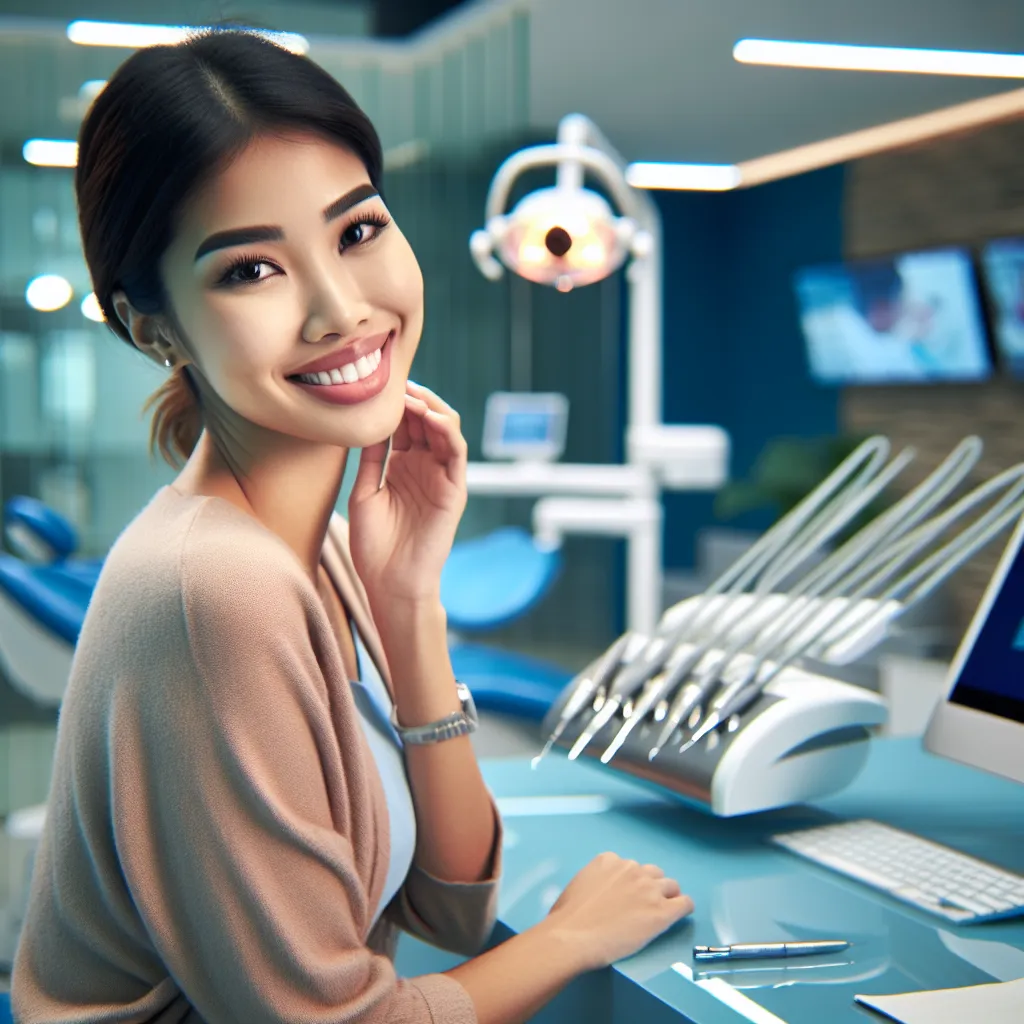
[(560, 816)]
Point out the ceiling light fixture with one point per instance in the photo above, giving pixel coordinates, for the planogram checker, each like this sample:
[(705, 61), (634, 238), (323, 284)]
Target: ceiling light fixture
[(51, 152), (839, 56), (91, 308), (686, 177), (110, 33), (48, 292)]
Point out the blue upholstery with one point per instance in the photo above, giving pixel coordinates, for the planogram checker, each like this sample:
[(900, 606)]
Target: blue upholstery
[(55, 595), (508, 683), (6, 1017), (491, 580), (50, 527)]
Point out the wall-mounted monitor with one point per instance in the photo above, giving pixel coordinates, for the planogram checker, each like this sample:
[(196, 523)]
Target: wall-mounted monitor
[(525, 426), (1003, 264), (910, 318)]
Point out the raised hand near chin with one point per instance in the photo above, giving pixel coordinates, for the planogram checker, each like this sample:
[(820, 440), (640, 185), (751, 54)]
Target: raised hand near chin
[(405, 508)]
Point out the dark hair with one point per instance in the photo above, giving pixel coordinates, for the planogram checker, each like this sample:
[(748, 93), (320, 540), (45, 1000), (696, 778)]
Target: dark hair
[(169, 118), (875, 282)]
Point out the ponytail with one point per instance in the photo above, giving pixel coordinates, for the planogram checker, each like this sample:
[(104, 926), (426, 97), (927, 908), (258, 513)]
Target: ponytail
[(177, 419)]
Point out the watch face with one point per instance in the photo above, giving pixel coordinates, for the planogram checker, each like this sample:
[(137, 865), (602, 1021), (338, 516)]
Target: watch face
[(468, 704)]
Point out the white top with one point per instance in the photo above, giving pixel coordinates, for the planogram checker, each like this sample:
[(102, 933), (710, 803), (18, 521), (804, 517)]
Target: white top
[(374, 705)]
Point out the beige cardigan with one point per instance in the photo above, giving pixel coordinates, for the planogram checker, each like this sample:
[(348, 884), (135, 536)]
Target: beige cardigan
[(217, 835)]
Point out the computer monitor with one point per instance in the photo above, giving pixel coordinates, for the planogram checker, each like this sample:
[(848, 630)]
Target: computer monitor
[(981, 720), (909, 318), (525, 426), (1003, 264)]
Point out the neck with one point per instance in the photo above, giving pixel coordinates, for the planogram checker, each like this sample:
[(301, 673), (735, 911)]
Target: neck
[(291, 492)]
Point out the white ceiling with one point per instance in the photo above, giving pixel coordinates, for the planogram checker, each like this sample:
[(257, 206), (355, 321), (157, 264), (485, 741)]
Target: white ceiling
[(659, 78)]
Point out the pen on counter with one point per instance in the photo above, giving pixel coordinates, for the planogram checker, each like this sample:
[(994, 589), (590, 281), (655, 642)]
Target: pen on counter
[(751, 950)]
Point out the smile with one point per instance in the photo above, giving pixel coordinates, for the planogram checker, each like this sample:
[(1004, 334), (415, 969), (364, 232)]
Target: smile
[(348, 373), (352, 380)]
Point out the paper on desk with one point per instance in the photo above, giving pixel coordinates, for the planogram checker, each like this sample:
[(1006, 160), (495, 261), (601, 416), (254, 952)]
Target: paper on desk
[(998, 1003)]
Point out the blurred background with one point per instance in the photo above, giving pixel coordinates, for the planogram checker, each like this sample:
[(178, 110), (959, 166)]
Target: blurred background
[(771, 329)]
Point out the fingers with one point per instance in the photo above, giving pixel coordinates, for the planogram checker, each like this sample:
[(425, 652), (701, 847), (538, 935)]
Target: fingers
[(371, 470), (432, 424)]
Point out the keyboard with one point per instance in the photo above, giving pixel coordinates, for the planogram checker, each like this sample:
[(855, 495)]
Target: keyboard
[(917, 871)]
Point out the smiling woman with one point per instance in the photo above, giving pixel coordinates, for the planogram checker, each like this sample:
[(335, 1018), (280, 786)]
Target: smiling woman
[(262, 768)]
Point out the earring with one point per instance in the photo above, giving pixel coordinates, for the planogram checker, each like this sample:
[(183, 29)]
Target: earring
[(167, 362)]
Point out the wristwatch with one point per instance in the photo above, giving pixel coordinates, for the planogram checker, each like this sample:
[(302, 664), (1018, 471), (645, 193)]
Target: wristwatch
[(459, 723)]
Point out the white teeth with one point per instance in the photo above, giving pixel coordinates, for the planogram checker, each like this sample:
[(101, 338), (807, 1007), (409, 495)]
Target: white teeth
[(363, 367)]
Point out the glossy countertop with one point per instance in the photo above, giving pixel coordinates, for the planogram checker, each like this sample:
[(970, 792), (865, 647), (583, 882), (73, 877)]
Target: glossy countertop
[(560, 816)]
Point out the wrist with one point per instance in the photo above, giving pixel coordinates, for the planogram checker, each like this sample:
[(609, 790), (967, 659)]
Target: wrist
[(565, 946)]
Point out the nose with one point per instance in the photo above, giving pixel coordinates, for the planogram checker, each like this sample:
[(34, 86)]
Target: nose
[(336, 306)]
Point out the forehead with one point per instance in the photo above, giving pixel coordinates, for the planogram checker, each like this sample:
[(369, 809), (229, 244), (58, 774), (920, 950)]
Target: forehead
[(274, 180)]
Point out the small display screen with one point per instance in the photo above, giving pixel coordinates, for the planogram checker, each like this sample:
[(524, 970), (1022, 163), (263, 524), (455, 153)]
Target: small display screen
[(992, 678), (526, 428), (910, 318), (1004, 273)]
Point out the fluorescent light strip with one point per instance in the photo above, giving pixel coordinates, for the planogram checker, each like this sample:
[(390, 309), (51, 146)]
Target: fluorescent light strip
[(695, 177), (842, 148), (110, 33), (838, 56), (50, 152)]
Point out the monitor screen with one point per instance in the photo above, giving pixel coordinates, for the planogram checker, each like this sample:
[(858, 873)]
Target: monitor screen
[(1003, 263), (992, 677), (522, 427), (914, 317)]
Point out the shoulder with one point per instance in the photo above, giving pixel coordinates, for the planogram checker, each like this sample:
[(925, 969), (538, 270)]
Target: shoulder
[(236, 573)]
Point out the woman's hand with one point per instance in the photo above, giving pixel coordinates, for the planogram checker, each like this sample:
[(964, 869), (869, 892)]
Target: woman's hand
[(402, 532)]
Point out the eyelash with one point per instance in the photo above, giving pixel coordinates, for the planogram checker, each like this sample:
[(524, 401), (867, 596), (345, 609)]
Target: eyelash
[(249, 259)]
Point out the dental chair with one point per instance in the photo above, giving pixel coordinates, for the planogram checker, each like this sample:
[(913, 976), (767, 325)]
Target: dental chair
[(43, 597), (487, 583)]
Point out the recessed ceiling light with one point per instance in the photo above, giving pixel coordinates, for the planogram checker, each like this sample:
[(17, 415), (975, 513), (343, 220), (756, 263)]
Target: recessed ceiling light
[(111, 33), (686, 177), (91, 308), (51, 152), (839, 56), (48, 292)]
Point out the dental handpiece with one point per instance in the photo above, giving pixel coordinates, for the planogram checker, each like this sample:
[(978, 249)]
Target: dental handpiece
[(824, 526), (591, 682), (741, 573), (920, 581), (836, 572)]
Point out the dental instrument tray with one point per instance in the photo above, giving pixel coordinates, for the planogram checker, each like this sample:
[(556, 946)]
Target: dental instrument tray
[(717, 706)]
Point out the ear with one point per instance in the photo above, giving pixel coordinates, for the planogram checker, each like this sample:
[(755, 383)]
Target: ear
[(151, 333)]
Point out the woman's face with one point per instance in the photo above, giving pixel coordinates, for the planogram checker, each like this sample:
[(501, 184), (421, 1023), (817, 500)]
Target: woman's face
[(287, 263)]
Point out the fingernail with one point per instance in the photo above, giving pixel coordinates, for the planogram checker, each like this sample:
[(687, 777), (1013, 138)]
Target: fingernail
[(415, 385)]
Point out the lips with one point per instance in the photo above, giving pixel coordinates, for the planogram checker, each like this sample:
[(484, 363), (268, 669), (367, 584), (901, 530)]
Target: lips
[(350, 353)]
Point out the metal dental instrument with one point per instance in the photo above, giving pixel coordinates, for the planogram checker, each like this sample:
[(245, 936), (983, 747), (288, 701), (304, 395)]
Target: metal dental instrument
[(592, 681), (758, 560), (920, 582), (842, 511), (739, 575), (890, 526)]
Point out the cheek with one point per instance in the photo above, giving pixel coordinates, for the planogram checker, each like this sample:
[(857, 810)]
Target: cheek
[(398, 281)]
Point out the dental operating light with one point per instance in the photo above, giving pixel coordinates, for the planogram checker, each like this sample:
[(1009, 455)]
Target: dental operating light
[(566, 236)]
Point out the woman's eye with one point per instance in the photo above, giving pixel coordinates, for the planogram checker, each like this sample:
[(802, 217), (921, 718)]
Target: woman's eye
[(248, 272), (356, 234)]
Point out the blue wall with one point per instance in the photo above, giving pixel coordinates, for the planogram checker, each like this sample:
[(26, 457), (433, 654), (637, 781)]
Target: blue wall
[(733, 352)]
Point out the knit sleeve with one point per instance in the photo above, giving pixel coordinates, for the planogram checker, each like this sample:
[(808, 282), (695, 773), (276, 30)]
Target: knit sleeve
[(457, 916), (234, 823)]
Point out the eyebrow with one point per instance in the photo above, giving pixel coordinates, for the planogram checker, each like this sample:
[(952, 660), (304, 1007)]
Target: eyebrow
[(271, 233)]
